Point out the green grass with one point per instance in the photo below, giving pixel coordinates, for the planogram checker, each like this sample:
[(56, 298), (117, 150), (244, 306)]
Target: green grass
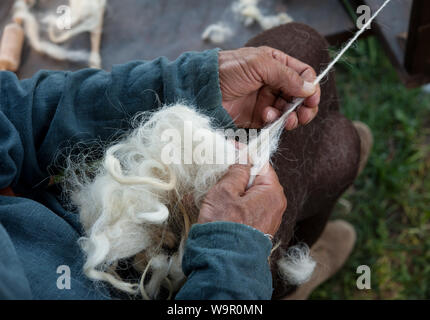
[(391, 199)]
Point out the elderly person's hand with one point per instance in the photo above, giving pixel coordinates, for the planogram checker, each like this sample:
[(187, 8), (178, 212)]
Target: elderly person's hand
[(258, 83), (260, 206)]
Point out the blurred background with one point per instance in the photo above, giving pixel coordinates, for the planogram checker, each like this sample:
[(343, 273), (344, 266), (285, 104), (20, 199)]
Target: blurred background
[(389, 203)]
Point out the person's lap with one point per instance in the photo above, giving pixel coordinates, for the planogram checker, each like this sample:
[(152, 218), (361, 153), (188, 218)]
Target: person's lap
[(41, 257)]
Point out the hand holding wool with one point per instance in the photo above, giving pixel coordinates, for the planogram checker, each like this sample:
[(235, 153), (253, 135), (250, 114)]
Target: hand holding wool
[(256, 84), (261, 206)]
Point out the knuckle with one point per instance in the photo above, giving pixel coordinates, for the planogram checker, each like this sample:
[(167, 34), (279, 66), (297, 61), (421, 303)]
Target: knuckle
[(294, 77), (311, 72), (225, 189), (283, 197), (253, 56), (280, 198), (265, 53), (289, 76), (265, 49), (284, 203)]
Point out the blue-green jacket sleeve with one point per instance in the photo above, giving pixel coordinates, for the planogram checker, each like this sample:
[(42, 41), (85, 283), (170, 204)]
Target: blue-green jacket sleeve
[(225, 260), (54, 110)]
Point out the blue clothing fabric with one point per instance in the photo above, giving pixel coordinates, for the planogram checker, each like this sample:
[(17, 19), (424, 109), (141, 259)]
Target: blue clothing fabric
[(225, 260), (55, 110)]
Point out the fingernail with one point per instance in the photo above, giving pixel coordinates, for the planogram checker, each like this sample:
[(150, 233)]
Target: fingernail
[(309, 87), (271, 116)]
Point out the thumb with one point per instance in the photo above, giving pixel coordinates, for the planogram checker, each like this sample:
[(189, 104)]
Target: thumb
[(236, 178), (287, 80)]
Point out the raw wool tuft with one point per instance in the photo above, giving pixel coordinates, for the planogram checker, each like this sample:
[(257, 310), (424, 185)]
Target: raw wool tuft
[(217, 33), (137, 206), (249, 13), (296, 266), (86, 16)]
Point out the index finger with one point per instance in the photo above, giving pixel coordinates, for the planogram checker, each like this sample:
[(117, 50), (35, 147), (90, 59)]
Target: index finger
[(289, 61), (266, 188), (267, 176)]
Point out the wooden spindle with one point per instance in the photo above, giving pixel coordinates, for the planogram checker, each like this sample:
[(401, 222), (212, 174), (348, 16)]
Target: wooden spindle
[(11, 46)]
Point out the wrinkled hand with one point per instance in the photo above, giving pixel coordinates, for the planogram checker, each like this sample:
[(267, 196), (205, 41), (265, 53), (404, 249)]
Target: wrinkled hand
[(258, 83), (260, 207)]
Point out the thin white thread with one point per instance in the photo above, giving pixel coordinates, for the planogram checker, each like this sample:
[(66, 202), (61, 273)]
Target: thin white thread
[(275, 129)]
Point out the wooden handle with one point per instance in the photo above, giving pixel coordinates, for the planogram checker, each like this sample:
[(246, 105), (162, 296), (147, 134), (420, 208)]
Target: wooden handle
[(11, 47)]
